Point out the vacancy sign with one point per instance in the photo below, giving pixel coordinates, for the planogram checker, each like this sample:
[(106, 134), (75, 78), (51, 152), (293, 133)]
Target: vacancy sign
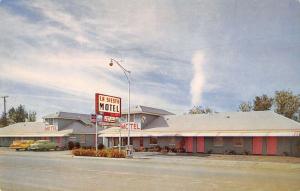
[(108, 105)]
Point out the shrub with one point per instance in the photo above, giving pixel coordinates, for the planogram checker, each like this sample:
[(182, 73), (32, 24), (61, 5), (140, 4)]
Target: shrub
[(87, 147), (101, 146), (84, 152), (77, 145), (112, 153), (180, 150), (70, 145), (166, 149), (102, 153), (232, 152), (139, 149)]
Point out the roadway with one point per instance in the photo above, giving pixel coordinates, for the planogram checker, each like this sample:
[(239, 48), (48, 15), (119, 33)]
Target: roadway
[(60, 171)]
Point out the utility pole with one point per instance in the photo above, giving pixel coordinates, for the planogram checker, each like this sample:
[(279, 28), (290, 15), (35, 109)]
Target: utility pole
[(4, 100)]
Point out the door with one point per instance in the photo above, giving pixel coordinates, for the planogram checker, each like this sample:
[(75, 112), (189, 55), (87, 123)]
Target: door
[(189, 144), (271, 145), (257, 145), (200, 144)]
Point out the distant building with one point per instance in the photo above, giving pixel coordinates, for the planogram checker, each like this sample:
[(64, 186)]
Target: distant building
[(257, 132), (60, 127)]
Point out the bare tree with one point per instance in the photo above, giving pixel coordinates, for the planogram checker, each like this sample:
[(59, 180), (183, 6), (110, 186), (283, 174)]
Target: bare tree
[(287, 104), (245, 107), (262, 103), (200, 110)]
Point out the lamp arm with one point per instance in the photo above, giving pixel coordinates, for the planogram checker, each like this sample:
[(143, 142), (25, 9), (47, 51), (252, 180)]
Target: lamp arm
[(127, 71)]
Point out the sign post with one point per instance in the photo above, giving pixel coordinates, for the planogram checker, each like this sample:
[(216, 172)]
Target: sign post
[(109, 108), (96, 141)]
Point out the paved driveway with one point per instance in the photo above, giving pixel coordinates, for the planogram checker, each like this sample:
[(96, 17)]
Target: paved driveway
[(60, 171)]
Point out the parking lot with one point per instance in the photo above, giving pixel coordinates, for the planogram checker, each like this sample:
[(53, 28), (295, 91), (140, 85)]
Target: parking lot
[(59, 170)]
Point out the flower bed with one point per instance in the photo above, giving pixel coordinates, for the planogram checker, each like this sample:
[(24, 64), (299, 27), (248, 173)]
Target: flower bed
[(110, 153), (165, 149)]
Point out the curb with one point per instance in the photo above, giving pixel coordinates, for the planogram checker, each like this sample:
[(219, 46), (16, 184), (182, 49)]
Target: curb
[(207, 162)]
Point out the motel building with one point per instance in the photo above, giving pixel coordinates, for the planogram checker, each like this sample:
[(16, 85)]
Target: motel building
[(256, 132), (60, 127)]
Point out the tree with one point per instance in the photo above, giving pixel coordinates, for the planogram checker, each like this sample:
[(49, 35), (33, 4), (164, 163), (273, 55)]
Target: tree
[(3, 120), (287, 104), (262, 103), (31, 116), (18, 115), (200, 110), (245, 107)]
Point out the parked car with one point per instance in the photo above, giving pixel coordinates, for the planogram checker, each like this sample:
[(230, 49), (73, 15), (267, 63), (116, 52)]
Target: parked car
[(21, 144), (44, 145)]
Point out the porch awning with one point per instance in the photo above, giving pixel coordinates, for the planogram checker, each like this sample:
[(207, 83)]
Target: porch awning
[(142, 133), (38, 134)]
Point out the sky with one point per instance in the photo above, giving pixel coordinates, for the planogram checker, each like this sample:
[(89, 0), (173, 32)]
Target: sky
[(54, 55)]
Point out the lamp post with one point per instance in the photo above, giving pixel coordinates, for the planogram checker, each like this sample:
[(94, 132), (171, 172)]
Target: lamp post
[(127, 74), (96, 140)]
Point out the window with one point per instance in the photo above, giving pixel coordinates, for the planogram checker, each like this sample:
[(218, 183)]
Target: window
[(132, 118), (125, 140), (218, 141), (116, 141), (153, 140), (172, 141), (50, 121), (238, 142)]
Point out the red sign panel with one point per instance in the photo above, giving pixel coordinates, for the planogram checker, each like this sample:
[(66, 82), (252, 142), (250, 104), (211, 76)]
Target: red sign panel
[(107, 105)]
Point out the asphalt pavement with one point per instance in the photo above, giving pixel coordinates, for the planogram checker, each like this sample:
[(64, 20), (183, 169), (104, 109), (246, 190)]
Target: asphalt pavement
[(58, 170)]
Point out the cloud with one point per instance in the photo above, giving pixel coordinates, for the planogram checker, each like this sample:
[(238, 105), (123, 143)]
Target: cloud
[(66, 47), (198, 81)]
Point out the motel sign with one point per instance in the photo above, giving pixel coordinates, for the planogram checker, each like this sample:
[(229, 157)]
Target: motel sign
[(108, 105), (133, 126)]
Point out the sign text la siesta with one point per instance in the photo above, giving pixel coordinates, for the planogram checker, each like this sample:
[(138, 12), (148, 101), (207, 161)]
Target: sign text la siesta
[(108, 105)]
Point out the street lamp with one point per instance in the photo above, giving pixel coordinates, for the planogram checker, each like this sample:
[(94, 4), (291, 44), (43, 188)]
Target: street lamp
[(127, 74)]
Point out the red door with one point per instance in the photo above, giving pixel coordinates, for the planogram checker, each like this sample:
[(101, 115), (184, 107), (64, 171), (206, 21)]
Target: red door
[(200, 144), (257, 145), (271, 145), (189, 144)]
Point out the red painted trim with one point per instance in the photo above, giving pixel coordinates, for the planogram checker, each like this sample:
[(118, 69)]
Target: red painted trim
[(200, 145), (257, 145), (141, 142), (58, 140), (189, 144), (271, 145)]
